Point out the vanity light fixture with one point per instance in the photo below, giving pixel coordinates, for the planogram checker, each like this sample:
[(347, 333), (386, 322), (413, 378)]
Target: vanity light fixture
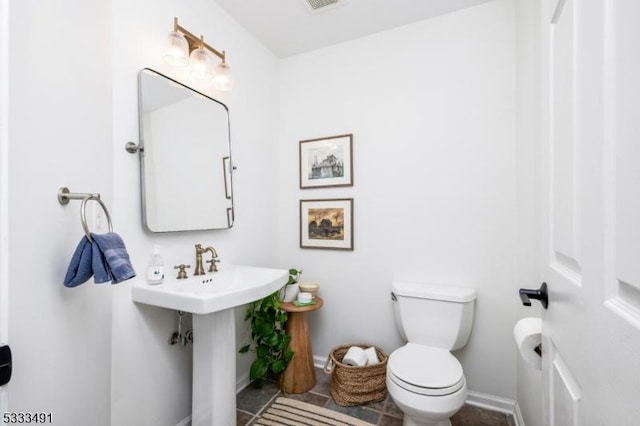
[(184, 49)]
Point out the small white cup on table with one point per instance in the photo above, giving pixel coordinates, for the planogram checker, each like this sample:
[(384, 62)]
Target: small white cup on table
[(304, 297)]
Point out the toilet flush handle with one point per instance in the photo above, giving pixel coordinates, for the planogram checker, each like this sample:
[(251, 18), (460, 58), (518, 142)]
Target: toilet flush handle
[(393, 297), (541, 294)]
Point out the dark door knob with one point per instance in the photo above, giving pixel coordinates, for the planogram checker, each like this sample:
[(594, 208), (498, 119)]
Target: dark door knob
[(541, 294), (6, 365)]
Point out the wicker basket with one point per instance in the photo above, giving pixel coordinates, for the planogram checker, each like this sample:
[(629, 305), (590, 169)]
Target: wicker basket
[(352, 385)]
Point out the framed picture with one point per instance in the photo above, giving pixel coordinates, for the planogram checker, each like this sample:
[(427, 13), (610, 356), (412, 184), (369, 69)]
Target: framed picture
[(326, 224), (326, 162)]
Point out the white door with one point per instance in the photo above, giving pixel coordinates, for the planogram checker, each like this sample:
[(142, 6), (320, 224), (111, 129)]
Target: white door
[(591, 127)]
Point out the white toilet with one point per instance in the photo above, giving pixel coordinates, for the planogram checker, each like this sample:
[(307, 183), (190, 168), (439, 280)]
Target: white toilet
[(424, 379)]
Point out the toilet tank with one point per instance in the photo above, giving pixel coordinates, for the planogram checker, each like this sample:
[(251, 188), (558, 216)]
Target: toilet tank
[(433, 315)]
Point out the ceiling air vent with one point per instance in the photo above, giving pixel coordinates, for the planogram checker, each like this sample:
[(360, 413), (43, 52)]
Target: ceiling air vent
[(319, 4)]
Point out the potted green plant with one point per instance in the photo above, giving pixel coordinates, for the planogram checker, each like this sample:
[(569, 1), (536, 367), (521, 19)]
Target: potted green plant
[(270, 341), (290, 290)]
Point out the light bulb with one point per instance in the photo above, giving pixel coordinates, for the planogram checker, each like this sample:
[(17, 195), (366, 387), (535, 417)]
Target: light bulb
[(177, 53), (222, 79), (201, 67)]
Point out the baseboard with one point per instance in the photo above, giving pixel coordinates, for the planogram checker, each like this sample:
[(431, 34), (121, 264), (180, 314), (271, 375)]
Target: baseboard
[(242, 382), (319, 361), (491, 402), (517, 415), (185, 422)]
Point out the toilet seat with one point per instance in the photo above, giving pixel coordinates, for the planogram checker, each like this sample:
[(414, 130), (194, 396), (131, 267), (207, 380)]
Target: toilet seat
[(425, 370)]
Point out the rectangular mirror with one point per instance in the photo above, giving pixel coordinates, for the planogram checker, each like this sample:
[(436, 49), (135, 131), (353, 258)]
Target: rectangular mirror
[(185, 157)]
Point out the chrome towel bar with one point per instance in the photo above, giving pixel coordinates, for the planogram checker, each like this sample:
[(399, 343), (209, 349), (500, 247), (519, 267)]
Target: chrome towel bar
[(64, 195)]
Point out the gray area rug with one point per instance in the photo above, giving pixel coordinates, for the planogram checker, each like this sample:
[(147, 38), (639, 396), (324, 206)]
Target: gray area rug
[(289, 412)]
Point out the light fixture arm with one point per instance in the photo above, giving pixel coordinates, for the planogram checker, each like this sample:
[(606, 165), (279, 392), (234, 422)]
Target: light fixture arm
[(196, 42)]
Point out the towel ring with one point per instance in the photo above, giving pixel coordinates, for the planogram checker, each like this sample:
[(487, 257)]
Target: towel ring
[(83, 215), (64, 195)]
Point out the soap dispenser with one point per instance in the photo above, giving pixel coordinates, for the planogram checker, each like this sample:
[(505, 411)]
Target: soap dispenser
[(155, 271)]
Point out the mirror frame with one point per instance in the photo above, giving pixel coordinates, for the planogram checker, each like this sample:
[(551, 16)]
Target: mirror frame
[(227, 166)]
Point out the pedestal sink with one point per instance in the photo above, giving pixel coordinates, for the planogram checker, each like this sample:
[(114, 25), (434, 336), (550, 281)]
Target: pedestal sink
[(211, 299)]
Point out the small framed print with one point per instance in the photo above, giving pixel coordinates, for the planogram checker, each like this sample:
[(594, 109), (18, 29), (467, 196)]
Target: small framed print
[(326, 162), (326, 224)]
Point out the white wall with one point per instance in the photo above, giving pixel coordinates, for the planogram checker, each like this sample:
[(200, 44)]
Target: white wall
[(151, 381), (89, 355), (431, 107), (60, 134)]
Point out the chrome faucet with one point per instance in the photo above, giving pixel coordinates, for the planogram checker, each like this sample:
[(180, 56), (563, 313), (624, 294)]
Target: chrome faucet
[(214, 259)]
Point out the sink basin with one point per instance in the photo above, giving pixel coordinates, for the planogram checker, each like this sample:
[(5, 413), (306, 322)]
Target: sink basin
[(232, 285), (211, 299)]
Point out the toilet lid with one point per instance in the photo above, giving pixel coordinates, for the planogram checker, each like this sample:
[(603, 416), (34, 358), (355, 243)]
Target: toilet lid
[(426, 370)]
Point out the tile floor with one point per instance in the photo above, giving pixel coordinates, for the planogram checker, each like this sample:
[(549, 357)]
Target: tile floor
[(252, 402)]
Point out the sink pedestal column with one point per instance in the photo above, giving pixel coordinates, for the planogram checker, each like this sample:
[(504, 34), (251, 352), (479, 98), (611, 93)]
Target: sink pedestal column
[(214, 369)]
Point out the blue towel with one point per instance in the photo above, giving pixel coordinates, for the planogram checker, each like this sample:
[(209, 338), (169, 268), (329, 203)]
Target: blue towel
[(116, 259), (80, 268), (101, 270), (106, 259)]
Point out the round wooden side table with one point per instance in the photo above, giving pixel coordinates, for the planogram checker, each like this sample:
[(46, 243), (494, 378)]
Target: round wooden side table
[(300, 375)]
